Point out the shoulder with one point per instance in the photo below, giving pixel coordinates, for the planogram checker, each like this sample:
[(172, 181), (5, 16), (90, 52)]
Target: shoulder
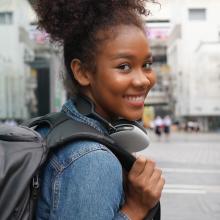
[(82, 162), (89, 177), (84, 152), (87, 165), (75, 175)]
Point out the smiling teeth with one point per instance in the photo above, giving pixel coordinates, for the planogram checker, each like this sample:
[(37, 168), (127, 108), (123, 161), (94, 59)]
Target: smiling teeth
[(136, 98)]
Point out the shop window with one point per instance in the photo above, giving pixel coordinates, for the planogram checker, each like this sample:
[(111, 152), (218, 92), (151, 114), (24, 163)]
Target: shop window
[(6, 18), (197, 14)]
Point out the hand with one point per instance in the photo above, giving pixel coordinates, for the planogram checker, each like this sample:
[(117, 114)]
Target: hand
[(143, 188)]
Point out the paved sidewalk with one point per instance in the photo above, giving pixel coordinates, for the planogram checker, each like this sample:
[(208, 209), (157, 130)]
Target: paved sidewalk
[(191, 166), (186, 136)]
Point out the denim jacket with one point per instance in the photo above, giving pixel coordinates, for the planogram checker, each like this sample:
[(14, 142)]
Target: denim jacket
[(82, 180)]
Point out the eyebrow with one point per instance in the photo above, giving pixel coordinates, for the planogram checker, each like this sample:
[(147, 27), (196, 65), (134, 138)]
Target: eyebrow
[(129, 56)]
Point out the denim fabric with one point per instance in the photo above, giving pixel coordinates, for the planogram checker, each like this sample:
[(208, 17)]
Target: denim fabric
[(82, 180)]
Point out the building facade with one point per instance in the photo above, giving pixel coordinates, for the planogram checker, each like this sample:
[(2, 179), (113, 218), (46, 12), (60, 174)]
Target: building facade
[(16, 52), (30, 67), (193, 55), (158, 101)]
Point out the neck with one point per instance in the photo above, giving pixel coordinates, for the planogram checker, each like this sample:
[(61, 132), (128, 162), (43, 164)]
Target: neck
[(87, 107)]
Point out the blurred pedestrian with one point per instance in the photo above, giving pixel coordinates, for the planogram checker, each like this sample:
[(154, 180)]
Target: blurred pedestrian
[(158, 126), (167, 126), (108, 62)]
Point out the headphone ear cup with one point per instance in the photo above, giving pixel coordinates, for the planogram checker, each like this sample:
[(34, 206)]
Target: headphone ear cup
[(130, 136), (123, 122)]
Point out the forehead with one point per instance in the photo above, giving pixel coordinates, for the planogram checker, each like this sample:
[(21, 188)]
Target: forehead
[(123, 40)]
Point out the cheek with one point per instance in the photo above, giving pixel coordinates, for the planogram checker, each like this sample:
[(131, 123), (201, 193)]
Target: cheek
[(116, 83), (153, 79)]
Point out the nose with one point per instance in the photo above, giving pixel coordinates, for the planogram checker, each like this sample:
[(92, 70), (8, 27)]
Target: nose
[(141, 79)]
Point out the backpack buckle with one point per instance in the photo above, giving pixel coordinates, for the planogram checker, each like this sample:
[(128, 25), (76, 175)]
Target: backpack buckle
[(36, 186), (35, 182)]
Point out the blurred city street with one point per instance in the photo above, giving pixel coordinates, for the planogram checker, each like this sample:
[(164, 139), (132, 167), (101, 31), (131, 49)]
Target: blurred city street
[(184, 38), (191, 166)]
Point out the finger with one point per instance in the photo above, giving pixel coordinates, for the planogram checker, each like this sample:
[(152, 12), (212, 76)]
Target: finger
[(148, 170), (138, 166), (160, 186), (156, 175), (161, 183)]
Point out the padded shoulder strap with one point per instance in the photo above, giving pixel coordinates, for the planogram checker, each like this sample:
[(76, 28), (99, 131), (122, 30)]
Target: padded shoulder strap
[(51, 120), (70, 130), (64, 130)]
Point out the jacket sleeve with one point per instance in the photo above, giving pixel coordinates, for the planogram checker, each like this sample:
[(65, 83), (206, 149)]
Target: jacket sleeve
[(90, 187)]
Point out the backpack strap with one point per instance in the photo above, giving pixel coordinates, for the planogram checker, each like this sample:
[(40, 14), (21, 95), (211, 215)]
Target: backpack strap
[(51, 120), (68, 130), (63, 130), (154, 213)]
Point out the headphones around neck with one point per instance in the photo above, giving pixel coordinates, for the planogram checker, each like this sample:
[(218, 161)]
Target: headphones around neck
[(129, 135)]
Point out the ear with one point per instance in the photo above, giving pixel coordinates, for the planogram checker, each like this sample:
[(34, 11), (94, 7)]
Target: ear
[(79, 73)]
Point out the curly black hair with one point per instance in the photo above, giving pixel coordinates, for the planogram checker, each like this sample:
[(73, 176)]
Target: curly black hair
[(75, 24)]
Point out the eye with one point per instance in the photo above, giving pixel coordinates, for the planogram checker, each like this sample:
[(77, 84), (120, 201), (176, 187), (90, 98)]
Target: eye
[(148, 65), (124, 67)]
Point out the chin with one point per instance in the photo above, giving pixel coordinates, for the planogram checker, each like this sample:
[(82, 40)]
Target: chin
[(134, 117)]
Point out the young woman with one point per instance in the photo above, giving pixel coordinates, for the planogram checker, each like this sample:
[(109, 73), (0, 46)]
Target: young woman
[(108, 60)]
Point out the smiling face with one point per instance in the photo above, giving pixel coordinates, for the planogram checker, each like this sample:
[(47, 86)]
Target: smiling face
[(123, 75)]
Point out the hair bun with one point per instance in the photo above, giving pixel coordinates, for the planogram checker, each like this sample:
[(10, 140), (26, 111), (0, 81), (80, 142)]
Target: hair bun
[(63, 19)]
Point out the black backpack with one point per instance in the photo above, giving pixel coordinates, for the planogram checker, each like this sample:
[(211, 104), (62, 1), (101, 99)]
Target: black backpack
[(23, 151)]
